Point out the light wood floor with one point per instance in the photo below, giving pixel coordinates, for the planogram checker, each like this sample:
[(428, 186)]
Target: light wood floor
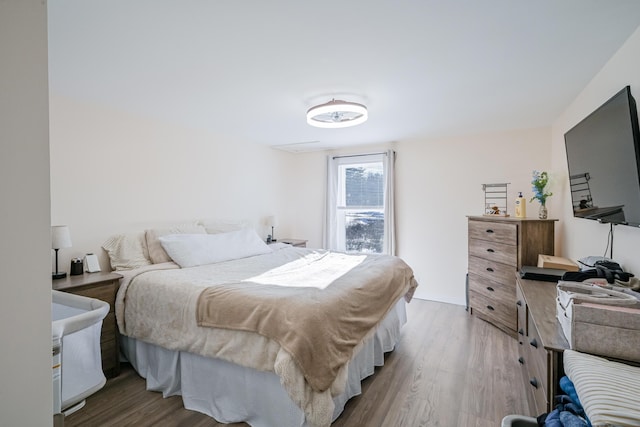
[(449, 369)]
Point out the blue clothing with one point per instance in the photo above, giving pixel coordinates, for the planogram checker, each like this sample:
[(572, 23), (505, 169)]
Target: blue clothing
[(567, 386), (568, 419), (553, 419), (565, 414)]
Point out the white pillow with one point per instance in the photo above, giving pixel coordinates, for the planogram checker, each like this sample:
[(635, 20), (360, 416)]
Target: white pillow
[(127, 251), (157, 254), (215, 226), (190, 250)]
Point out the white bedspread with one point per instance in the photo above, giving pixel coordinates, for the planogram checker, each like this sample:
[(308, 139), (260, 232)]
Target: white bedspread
[(157, 304)]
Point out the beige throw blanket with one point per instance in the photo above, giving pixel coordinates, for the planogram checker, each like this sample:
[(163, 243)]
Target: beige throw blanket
[(319, 312)]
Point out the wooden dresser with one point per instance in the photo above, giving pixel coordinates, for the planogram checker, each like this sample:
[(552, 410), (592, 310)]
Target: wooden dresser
[(102, 286), (498, 247), (541, 343)]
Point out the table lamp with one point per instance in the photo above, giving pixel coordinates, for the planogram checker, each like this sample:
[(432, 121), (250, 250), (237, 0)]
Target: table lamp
[(272, 222), (60, 238)]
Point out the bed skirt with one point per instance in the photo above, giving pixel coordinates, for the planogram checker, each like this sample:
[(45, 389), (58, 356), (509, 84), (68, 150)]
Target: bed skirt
[(232, 393)]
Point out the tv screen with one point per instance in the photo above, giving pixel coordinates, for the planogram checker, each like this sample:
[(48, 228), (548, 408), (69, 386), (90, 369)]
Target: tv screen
[(603, 154)]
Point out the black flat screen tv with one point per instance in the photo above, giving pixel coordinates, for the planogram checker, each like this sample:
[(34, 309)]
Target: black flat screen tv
[(603, 155)]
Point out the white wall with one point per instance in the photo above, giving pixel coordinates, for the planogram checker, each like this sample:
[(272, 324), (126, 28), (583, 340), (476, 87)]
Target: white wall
[(112, 172), (583, 237), (438, 185), (25, 247)]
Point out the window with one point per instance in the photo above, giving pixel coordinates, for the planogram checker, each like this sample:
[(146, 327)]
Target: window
[(359, 201)]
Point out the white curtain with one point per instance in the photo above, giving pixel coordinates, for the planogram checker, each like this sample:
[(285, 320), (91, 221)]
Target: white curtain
[(330, 238), (389, 168), (331, 232)]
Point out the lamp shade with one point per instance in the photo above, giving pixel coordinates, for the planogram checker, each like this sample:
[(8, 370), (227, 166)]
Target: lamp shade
[(60, 237), (272, 221)]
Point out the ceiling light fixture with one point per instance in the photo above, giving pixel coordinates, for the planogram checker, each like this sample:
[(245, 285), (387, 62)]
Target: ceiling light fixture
[(337, 114)]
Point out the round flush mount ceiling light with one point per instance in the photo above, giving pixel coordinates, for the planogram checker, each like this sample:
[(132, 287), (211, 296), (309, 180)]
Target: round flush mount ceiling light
[(337, 114)]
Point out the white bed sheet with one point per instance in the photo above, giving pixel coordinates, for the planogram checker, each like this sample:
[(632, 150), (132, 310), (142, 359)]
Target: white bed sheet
[(232, 393)]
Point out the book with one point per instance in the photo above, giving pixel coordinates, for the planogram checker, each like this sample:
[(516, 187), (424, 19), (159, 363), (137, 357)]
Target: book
[(561, 263)]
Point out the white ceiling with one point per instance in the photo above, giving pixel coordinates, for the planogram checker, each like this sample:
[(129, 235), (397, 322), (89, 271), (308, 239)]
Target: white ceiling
[(250, 69)]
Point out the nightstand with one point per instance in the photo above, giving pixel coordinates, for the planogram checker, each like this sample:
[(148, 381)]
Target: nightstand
[(294, 242), (102, 286)]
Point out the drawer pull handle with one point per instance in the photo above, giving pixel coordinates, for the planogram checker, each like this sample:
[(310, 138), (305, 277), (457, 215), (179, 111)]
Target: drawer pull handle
[(521, 360), (534, 343), (490, 270), (533, 382), (490, 288), (521, 331), (490, 308), (489, 230), (490, 250), (519, 303)]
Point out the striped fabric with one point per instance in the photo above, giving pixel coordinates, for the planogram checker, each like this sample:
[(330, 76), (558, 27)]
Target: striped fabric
[(609, 391)]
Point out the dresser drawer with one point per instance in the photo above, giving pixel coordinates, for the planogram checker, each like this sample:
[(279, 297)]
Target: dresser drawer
[(493, 311), (537, 356), (499, 292), (536, 394), (494, 232), (104, 292), (521, 318), (496, 271), (539, 395), (493, 251), (537, 367)]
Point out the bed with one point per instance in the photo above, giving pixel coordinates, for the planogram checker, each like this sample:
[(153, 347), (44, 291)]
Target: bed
[(264, 334)]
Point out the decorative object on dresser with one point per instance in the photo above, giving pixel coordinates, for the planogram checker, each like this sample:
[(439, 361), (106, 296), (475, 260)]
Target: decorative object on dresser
[(498, 248), (541, 343), (539, 182), (102, 286), (495, 199), (60, 238)]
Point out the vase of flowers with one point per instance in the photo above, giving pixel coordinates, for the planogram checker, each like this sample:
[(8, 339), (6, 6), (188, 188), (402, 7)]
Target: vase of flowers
[(540, 181)]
